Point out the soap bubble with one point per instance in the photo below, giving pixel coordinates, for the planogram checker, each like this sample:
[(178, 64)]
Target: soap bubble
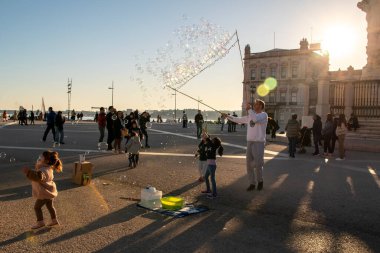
[(102, 146), (148, 125), (3, 155), (12, 160)]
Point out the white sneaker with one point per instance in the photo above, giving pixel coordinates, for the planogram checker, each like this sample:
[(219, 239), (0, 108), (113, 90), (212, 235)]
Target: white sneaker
[(339, 159)]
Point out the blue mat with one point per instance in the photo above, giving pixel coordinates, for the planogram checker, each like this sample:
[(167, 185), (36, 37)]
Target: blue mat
[(186, 211)]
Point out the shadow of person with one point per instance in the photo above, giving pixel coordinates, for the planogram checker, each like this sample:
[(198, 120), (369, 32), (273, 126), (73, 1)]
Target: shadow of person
[(27, 236)]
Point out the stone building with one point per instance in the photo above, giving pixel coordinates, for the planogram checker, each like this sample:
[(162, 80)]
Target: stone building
[(297, 72), (307, 87)]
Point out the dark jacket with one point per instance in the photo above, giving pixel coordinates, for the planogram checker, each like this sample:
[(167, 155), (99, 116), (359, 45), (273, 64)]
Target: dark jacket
[(328, 129), (143, 120), (210, 149), (198, 119), (117, 126), (317, 127), (102, 119), (59, 121), (50, 118), (109, 121)]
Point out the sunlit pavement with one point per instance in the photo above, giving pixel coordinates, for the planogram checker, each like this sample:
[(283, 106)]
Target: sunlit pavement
[(309, 204)]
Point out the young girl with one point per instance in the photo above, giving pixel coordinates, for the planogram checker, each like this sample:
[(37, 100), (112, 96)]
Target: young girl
[(133, 148), (212, 146), (201, 153), (43, 186)]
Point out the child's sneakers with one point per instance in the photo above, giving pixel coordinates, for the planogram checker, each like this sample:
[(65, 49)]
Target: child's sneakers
[(205, 192), (54, 222), (39, 224), (201, 179)]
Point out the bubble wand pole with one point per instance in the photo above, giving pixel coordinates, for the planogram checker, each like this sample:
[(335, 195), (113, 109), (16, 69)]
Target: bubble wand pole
[(199, 101)]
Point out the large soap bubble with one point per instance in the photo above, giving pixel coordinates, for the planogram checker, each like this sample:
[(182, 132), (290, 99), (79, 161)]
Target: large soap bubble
[(3, 155), (102, 146)]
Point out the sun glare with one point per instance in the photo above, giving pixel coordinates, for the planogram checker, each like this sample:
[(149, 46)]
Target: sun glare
[(339, 41)]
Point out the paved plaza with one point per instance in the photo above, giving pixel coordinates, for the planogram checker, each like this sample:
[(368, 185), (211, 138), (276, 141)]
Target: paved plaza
[(309, 204)]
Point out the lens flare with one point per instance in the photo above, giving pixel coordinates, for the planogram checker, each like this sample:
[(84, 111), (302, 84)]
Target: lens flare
[(270, 83), (262, 90)]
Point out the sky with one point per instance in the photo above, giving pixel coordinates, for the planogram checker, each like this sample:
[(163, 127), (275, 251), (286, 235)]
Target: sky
[(95, 43)]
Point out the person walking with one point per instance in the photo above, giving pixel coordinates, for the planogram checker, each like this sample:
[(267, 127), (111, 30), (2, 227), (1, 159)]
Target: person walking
[(184, 120), (102, 122), (233, 125), (317, 133), (292, 129), (50, 118), (143, 120), (72, 118), (58, 124), (5, 116), (31, 117), (327, 133), (199, 123), (341, 133), (109, 123), (256, 122), (222, 121)]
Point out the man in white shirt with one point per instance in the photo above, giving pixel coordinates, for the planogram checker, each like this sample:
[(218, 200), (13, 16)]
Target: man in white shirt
[(256, 122)]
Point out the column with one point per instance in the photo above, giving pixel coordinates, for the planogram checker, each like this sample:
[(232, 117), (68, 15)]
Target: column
[(348, 98), (323, 106)]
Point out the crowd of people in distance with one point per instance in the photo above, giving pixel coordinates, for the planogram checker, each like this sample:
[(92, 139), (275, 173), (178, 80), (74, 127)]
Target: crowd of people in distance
[(334, 129), (132, 128)]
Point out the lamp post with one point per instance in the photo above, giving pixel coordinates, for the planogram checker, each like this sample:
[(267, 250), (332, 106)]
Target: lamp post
[(175, 105), (69, 85), (111, 88), (252, 90)]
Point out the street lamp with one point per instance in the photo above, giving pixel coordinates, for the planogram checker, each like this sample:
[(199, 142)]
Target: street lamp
[(252, 89), (111, 88), (69, 85), (175, 105)]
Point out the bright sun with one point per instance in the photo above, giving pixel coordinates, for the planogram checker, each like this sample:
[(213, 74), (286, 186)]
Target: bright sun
[(339, 41)]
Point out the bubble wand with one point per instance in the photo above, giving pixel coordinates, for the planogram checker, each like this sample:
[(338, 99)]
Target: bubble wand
[(199, 101)]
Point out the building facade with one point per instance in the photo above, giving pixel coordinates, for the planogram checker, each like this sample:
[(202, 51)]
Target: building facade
[(297, 72), (307, 87)]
